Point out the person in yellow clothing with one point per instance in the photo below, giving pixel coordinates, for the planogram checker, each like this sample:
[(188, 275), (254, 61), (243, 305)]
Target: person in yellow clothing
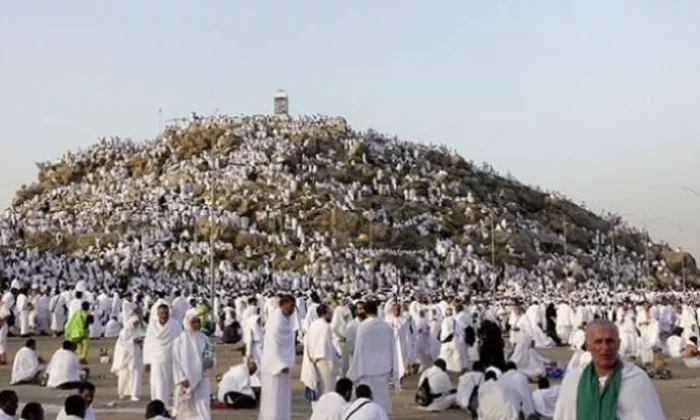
[(77, 332)]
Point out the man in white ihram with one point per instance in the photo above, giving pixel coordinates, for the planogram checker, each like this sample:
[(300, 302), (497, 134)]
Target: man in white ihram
[(374, 361), (192, 358), (363, 408), (279, 354), (332, 404), (26, 368), (627, 392), (319, 367), (444, 394), (158, 352)]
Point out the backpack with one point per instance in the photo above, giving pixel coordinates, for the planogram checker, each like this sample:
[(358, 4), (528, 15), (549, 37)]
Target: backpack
[(10, 320), (424, 395)]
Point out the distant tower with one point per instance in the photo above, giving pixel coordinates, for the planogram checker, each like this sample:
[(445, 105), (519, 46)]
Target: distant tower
[(281, 102)]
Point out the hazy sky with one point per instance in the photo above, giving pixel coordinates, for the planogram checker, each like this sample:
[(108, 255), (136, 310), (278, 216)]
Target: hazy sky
[(599, 100)]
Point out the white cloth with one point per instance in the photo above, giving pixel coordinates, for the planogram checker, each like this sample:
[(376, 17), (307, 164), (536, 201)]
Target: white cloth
[(63, 367), (25, 366), (236, 379), (329, 407), (158, 352), (545, 400), (89, 415), (364, 409), (493, 404), (190, 364), (578, 359), (467, 383), (320, 361), (127, 361), (450, 347), (279, 353), (440, 384), (637, 400), (514, 384), (374, 362)]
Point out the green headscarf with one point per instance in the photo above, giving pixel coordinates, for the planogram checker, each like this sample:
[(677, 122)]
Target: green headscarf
[(592, 403)]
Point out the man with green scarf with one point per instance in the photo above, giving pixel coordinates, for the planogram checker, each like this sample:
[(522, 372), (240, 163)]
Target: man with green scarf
[(607, 388)]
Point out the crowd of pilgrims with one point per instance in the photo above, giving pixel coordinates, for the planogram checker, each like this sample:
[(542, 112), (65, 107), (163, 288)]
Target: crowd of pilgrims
[(140, 288), (287, 169), (357, 349)]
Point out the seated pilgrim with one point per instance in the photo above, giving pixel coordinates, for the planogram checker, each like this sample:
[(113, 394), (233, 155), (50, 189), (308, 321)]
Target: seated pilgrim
[(515, 385), (74, 408), (332, 404), (112, 328), (437, 384), (545, 398), (27, 367), (235, 390), (675, 344), (690, 354), (468, 389), (63, 370), (493, 403), (86, 391), (155, 410), (363, 408)]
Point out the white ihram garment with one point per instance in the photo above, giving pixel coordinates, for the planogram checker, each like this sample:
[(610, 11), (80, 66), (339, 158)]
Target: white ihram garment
[(190, 363), (127, 361), (279, 353), (25, 366), (374, 362), (319, 365), (637, 400), (63, 367), (158, 352)]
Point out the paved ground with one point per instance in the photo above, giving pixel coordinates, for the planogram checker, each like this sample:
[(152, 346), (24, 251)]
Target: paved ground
[(680, 396)]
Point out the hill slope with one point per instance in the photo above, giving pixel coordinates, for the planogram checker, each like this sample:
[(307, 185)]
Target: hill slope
[(312, 196)]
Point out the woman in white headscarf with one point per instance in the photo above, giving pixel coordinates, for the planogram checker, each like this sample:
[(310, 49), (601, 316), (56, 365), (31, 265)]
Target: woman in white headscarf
[(128, 359), (193, 357)]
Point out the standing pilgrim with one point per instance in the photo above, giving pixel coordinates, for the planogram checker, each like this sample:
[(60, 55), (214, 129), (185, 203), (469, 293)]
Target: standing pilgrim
[(128, 360), (607, 387), (4, 329), (374, 361), (279, 355), (57, 308), (319, 367), (158, 352), (193, 356)]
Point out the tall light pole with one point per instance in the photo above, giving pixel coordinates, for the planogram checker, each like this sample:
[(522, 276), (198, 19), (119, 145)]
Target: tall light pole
[(212, 230), (646, 245), (493, 243), (566, 244)]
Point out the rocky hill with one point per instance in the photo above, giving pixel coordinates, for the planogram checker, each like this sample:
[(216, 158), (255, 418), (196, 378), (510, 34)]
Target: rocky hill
[(300, 195)]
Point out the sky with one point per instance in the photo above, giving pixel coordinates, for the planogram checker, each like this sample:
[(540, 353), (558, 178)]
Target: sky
[(598, 100)]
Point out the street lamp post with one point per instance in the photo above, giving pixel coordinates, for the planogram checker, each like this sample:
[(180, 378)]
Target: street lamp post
[(212, 197)]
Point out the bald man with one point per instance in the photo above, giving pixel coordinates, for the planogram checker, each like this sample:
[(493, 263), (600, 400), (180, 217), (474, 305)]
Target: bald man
[(607, 388)]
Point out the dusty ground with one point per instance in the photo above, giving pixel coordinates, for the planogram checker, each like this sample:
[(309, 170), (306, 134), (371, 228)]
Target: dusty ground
[(679, 395)]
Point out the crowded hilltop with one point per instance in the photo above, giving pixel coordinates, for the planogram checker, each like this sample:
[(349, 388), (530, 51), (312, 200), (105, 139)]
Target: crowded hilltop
[(375, 259), (289, 203)]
